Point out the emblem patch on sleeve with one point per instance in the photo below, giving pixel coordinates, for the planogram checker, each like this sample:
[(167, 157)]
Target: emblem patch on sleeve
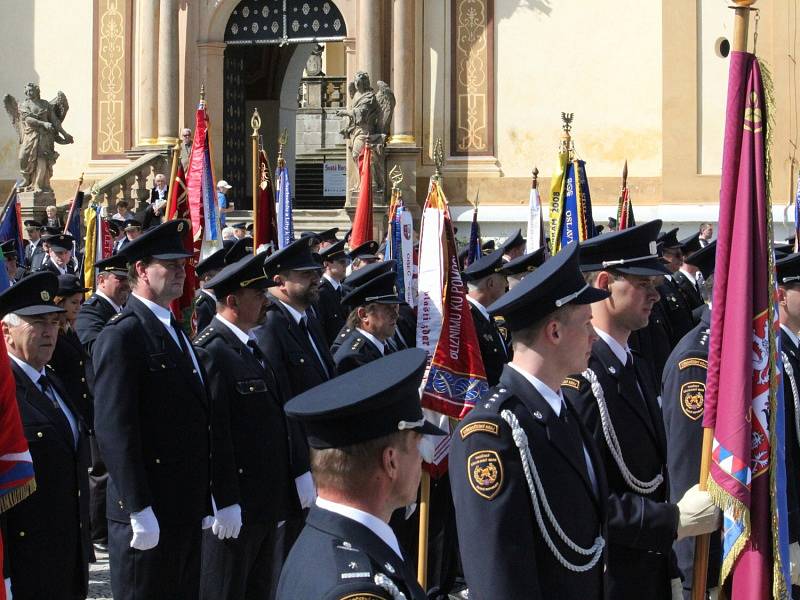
[(485, 473), (571, 382), (693, 395), (692, 362), (479, 426), (362, 596)]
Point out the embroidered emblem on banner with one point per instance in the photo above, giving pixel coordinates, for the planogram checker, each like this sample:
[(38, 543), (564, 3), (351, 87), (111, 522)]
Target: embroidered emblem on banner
[(485, 473), (692, 398), (692, 362), (479, 427)]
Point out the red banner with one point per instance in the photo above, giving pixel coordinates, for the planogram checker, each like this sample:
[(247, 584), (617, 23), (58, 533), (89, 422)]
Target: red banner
[(362, 223)]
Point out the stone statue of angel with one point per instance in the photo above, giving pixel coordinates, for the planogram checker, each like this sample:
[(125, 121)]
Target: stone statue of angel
[(38, 125), (367, 123)]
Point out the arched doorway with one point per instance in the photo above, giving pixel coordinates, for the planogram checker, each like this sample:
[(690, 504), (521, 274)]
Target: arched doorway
[(268, 43)]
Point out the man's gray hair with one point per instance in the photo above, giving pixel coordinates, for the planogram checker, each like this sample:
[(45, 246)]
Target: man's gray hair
[(12, 320)]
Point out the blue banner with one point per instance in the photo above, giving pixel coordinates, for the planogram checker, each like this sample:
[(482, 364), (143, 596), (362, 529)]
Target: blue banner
[(9, 229), (285, 219), (570, 231), (474, 247)]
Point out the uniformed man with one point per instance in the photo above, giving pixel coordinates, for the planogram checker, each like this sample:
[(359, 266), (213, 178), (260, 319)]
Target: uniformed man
[(329, 307), (788, 276), (673, 303), (513, 246), (516, 269), (363, 255), (685, 276), (239, 230), (250, 471), (9, 248), (59, 255), (617, 400), (205, 305), (152, 424), (132, 230), (363, 474), (683, 397), (528, 482), (34, 230), (372, 321), (294, 345), (109, 298), (46, 536), (485, 284), (327, 238)]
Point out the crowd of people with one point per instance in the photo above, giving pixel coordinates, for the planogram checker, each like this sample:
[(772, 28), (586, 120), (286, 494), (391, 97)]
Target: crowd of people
[(277, 453)]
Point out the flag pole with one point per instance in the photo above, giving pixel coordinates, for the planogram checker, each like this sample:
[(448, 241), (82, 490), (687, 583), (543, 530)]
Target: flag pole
[(173, 172), (72, 206), (255, 123), (741, 22)]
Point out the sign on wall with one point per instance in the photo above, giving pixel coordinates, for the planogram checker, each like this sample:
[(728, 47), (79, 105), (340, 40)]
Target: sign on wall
[(334, 179)]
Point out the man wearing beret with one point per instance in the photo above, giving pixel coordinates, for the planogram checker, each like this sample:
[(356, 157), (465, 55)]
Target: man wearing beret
[(523, 426), (46, 536), (329, 306), (363, 474), (252, 487), (372, 322), (617, 400), (152, 424), (486, 283)]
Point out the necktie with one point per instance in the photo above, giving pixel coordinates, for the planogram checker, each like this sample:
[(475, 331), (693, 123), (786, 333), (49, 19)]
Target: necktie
[(304, 327), (256, 352), (183, 345), (47, 390)]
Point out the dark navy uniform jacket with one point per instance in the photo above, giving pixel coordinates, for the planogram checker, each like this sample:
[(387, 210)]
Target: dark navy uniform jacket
[(151, 421), (249, 432), (72, 365), (93, 316), (204, 309), (792, 429), (503, 552), (641, 529), (331, 313), (356, 350), (47, 544), (493, 348), (336, 558), (683, 398), (689, 290), (677, 310)]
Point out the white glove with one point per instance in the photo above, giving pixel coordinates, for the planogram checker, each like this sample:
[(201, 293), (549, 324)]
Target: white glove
[(698, 513), (207, 522), (713, 593), (427, 448), (676, 587), (8, 588), (794, 563), (227, 522), (306, 491), (145, 529)]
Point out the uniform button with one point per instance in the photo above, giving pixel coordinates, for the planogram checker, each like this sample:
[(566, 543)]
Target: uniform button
[(209, 427), (158, 461), (209, 455), (86, 395), (163, 366), (302, 360), (80, 363), (21, 534), (39, 434), (241, 471), (194, 371), (252, 389), (83, 380), (79, 493)]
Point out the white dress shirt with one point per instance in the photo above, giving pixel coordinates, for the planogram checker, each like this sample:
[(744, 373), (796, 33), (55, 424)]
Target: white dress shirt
[(34, 376), (165, 316), (336, 285), (378, 344), (791, 335), (114, 305), (371, 522), (556, 402), (690, 277), (481, 308), (620, 351)]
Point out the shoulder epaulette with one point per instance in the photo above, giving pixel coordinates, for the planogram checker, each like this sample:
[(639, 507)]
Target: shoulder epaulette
[(119, 317), (358, 342), (351, 562), (493, 400), (205, 336)]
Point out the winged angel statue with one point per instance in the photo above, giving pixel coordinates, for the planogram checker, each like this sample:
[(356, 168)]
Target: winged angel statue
[(38, 125), (367, 123)]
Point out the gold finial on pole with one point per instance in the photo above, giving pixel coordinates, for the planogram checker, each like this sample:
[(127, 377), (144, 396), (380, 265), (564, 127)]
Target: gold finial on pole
[(202, 95), (396, 175), (255, 123), (438, 159), (625, 175), (535, 178), (282, 139), (566, 137)]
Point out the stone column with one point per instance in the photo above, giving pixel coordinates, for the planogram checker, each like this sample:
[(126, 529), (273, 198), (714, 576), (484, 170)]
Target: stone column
[(403, 51), (168, 84), (369, 47), (211, 57), (148, 71)]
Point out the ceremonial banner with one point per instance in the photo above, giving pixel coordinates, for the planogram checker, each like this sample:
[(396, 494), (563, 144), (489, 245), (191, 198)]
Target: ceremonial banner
[(16, 465), (625, 211), (285, 218), (178, 208), (797, 214), (535, 236), (11, 226), (362, 222), (557, 193), (200, 187), (474, 247), (400, 245), (577, 224), (265, 230), (742, 403), (72, 226), (455, 378), (97, 245)]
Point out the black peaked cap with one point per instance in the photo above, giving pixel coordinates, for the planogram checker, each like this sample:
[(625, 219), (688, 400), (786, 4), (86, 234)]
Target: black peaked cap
[(247, 272), (704, 259), (31, 295), (380, 289), (525, 263), (296, 256), (484, 266), (631, 251), (164, 242)]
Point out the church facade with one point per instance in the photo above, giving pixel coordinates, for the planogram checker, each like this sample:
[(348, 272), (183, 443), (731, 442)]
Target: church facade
[(645, 81)]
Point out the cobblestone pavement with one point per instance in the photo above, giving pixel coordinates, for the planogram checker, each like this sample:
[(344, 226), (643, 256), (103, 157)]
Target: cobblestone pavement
[(100, 577)]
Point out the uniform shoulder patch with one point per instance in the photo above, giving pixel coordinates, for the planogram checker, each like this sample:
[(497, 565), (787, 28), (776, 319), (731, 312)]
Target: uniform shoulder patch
[(479, 427), (363, 596), (692, 362), (571, 382), (693, 395), (351, 562), (358, 342), (485, 473)]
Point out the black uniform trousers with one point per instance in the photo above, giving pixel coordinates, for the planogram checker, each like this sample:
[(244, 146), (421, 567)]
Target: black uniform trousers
[(173, 566)]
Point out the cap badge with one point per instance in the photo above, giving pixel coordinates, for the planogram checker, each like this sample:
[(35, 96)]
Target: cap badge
[(45, 295), (612, 370), (537, 414), (389, 568), (180, 227)]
